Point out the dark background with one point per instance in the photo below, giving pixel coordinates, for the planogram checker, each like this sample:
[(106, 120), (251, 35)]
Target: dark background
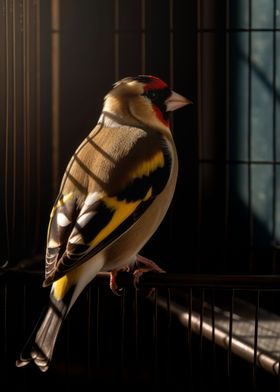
[(219, 221), (194, 46)]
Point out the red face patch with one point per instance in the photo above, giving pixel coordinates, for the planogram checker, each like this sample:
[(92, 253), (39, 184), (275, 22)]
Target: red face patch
[(159, 115), (155, 84)]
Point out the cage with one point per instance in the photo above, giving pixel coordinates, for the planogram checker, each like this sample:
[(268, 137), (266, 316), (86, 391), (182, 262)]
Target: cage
[(213, 319)]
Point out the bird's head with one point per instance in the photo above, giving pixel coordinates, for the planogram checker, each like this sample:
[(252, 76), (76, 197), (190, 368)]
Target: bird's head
[(144, 100)]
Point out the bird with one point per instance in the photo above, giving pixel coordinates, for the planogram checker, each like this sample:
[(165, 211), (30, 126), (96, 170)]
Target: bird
[(115, 192)]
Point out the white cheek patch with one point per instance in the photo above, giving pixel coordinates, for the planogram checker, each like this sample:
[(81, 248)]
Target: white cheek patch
[(62, 219), (84, 219)]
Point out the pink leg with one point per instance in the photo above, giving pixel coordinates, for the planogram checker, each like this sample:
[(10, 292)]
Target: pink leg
[(149, 266), (137, 270), (113, 280)]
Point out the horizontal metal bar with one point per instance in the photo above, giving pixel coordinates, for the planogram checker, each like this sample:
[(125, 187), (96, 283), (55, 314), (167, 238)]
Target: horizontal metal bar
[(237, 30), (140, 30), (172, 280), (239, 161), (175, 280)]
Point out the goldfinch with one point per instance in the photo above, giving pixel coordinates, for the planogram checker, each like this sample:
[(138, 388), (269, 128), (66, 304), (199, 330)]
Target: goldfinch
[(114, 194)]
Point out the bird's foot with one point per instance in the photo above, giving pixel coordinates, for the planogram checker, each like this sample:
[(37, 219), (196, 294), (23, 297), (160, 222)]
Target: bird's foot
[(148, 266), (138, 268), (113, 280)]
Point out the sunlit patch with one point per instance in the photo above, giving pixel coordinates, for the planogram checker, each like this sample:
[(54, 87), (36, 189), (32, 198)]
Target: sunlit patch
[(64, 199), (53, 244), (84, 219), (61, 202), (62, 219), (89, 201), (91, 198), (76, 239)]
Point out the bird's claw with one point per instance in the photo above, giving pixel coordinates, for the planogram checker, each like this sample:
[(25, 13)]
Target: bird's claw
[(141, 265), (113, 280), (149, 266)]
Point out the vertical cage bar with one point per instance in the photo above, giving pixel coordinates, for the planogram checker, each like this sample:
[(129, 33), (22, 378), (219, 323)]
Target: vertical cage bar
[(200, 123), (171, 46), (14, 175), (136, 326), (89, 333), (68, 345), (24, 308), (169, 320), (123, 328), (274, 137), (38, 121), (190, 364), (24, 321), (229, 356), (117, 40), (213, 336), (254, 381), (227, 136), (97, 335), (251, 216), (201, 314), (143, 36), (155, 335), (5, 337), (4, 333), (171, 84), (7, 139), (26, 120), (55, 91)]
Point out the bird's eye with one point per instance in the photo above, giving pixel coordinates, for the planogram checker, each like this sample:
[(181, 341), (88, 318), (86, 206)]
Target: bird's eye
[(151, 94)]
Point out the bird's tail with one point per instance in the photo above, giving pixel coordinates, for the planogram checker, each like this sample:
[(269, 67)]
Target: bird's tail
[(39, 348)]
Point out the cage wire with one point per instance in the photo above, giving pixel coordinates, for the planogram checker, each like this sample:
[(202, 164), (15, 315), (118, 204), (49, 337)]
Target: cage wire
[(58, 59)]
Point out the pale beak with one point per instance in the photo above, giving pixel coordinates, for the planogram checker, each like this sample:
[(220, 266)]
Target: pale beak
[(176, 101)]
